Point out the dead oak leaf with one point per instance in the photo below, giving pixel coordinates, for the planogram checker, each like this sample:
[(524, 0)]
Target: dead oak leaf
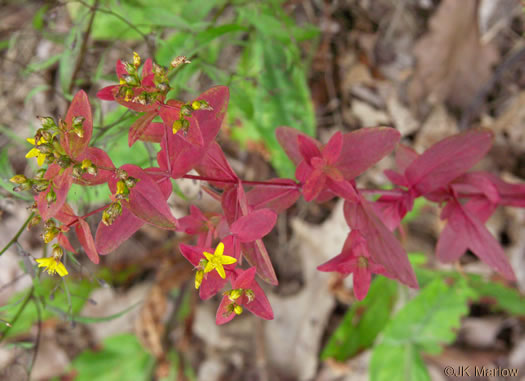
[(452, 63)]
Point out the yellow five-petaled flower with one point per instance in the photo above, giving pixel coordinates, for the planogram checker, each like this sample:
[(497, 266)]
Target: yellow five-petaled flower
[(217, 260), (52, 265), (35, 152)]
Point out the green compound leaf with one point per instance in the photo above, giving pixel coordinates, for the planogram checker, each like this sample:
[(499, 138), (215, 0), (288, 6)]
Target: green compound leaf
[(424, 324), (363, 321)]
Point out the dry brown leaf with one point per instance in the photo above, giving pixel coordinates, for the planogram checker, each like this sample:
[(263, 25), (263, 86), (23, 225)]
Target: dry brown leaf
[(452, 63)]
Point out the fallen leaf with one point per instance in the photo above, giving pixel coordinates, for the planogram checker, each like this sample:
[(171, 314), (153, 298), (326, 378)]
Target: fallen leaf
[(452, 63)]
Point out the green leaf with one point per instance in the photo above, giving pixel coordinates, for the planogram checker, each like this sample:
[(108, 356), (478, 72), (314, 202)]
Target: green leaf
[(397, 363), (423, 325), (42, 65), (503, 298), (363, 321), (122, 357)]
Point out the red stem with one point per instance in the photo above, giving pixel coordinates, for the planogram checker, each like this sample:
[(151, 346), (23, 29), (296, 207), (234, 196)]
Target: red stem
[(232, 181), (87, 215)]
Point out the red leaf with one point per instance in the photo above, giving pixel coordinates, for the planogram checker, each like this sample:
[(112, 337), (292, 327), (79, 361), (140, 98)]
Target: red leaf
[(257, 255), (275, 198), (108, 93), (61, 180), (146, 200), (308, 147), (469, 232), (215, 165), (288, 139), (255, 225), (332, 150), (210, 122), (108, 238), (315, 183), (260, 306), (72, 143), (139, 127), (86, 240), (383, 246), (447, 160), (121, 69), (363, 148), (154, 133), (404, 157), (101, 160), (223, 315)]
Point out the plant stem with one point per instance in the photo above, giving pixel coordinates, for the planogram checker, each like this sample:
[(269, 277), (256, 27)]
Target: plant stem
[(246, 182)]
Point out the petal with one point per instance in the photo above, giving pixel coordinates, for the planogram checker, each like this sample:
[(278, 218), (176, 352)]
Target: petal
[(61, 269), (226, 260), (220, 270), (220, 249)]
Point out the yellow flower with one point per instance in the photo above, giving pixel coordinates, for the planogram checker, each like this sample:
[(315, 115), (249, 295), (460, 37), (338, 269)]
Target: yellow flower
[(52, 265), (217, 260), (35, 152)]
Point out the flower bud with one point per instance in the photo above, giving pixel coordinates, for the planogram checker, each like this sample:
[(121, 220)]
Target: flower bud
[(136, 59), (86, 163), (78, 121), (92, 170), (233, 295), (57, 251), (199, 276), (77, 171), (237, 309), (186, 110), (111, 213), (64, 161), (131, 80), (47, 122), (129, 95), (51, 196), (121, 174), (50, 234), (18, 179), (40, 185), (34, 221), (177, 125), (180, 60), (40, 173), (163, 87), (132, 70), (196, 105), (122, 188), (130, 182), (250, 295), (46, 135)]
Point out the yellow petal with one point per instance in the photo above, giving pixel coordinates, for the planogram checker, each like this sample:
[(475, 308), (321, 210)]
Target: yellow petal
[(33, 152), (220, 249), (40, 159), (208, 256), (221, 271), (226, 260), (209, 267), (31, 140), (43, 262), (61, 269)]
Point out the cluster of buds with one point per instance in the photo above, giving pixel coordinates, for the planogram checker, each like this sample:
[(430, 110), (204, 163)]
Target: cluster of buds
[(50, 231), (186, 111), (237, 297), (124, 185), (86, 166), (46, 146)]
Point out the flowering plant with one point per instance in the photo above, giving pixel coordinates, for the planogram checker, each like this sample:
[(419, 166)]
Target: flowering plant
[(229, 246)]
